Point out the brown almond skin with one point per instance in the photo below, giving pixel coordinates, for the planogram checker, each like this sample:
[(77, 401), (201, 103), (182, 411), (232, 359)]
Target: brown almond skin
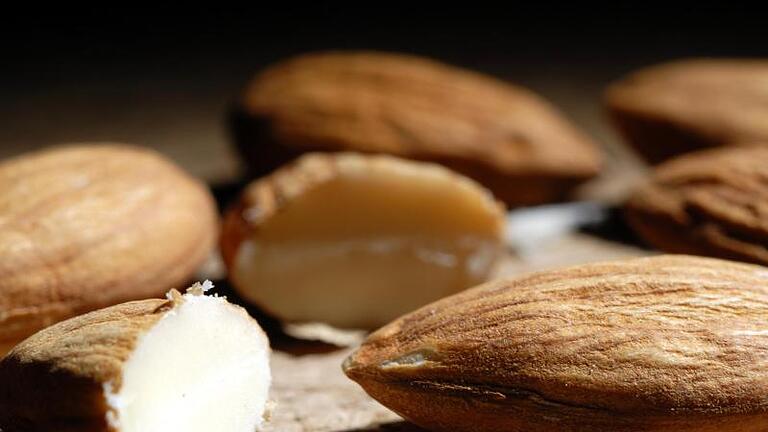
[(666, 343), (54, 380), (87, 226), (505, 137), (712, 202), (677, 107)]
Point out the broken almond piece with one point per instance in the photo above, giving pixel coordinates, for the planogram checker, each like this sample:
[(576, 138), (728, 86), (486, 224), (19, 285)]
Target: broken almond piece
[(355, 240), (189, 363)]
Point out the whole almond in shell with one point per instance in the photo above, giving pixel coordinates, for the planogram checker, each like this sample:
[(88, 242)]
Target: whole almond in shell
[(712, 202), (87, 226), (685, 105), (666, 343), (504, 136)]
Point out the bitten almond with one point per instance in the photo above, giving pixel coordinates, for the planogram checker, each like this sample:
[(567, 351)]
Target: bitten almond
[(191, 363), (87, 226), (712, 202), (355, 240), (677, 107), (504, 136), (667, 343)]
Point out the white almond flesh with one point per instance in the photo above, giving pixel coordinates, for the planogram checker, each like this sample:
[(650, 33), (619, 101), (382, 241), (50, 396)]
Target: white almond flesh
[(355, 240), (192, 363)]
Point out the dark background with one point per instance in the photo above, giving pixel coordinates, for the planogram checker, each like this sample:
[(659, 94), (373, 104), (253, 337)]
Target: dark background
[(164, 76)]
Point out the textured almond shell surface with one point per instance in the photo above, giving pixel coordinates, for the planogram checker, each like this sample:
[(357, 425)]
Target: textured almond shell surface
[(84, 227), (667, 343), (712, 202), (54, 380), (504, 136), (681, 106)]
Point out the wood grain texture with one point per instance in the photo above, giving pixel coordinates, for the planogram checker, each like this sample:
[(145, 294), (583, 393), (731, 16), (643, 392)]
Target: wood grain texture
[(677, 107), (668, 343), (87, 226), (504, 136), (711, 202), (311, 394)]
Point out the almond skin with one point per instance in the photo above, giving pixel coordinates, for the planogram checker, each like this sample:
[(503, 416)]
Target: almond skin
[(666, 343), (504, 136), (87, 226), (673, 108), (712, 202)]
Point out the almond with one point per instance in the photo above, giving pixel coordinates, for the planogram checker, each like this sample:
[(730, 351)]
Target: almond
[(673, 108), (87, 226), (504, 136), (666, 343), (355, 240), (143, 366), (712, 202)]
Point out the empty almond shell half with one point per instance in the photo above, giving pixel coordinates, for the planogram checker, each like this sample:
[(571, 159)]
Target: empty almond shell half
[(355, 240), (667, 343)]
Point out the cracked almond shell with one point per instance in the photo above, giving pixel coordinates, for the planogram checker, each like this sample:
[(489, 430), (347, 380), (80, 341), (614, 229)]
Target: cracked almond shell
[(712, 202), (504, 136), (667, 343), (685, 105), (87, 226)]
